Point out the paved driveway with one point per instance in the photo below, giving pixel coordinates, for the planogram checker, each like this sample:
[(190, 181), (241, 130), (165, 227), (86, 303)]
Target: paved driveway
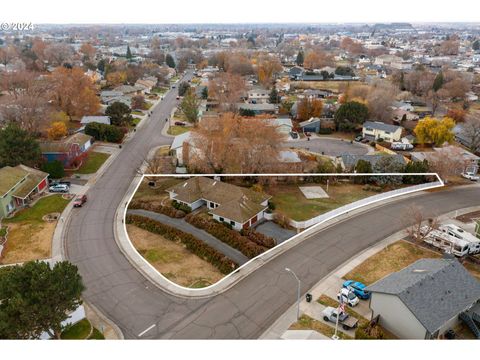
[(275, 231), (200, 234), (329, 146)]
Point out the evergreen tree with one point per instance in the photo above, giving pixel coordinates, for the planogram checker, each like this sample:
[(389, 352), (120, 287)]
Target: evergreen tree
[(300, 58), (169, 61), (129, 53), (438, 82), (274, 97), (18, 146), (205, 93), (476, 45)]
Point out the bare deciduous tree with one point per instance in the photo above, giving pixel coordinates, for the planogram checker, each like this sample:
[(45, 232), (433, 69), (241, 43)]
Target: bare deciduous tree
[(418, 225)]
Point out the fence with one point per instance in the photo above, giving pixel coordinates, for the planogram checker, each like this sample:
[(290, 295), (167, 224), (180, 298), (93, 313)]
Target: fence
[(363, 202)]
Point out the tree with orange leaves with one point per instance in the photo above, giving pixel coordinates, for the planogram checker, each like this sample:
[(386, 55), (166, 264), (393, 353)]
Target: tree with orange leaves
[(57, 130), (308, 108), (316, 59), (267, 68)]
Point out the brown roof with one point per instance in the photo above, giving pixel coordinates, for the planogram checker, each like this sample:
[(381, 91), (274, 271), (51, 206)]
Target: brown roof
[(235, 202), (11, 176), (64, 145)]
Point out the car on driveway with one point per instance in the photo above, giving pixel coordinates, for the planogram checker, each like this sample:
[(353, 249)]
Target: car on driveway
[(347, 296), (358, 138), (348, 322), (59, 188), (80, 200), (179, 123), (358, 288), (471, 176)]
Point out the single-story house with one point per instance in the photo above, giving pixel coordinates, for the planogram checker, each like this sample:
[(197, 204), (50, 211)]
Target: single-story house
[(66, 150), (426, 299), (374, 130), (295, 72), (146, 84), (315, 124), (258, 108), (348, 162), (235, 205), (18, 186), (98, 119), (450, 151), (283, 124)]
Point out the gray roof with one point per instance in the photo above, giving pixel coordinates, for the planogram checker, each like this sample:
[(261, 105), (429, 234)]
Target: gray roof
[(257, 107), (351, 160), (381, 126), (434, 290), (97, 119)]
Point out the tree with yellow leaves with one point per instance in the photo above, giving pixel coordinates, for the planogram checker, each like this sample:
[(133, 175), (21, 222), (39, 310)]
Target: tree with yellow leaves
[(433, 131), (57, 130)]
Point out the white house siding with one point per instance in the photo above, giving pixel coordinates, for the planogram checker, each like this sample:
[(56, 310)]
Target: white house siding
[(380, 134), (197, 204), (396, 317), (235, 225)]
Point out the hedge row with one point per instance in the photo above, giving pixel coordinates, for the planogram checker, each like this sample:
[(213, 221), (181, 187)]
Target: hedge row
[(179, 206), (259, 238), (162, 209), (194, 245), (230, 237)]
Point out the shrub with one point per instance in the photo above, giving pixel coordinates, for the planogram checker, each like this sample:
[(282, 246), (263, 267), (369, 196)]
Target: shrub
[(182, 207), (372, 188), (54, 168), (162, 209), (196, 246), (282, 220), (259, 238), (104, 132), (230, 237)]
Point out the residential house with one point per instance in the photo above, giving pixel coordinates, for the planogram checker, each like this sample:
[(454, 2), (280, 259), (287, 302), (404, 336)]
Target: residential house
[(295, 73), (237, 206), (374, 130), (258, 95), (177, 147), (146, 84), (258, 108), (19, 185), (465, 158), (98, 119), (426, 299), (66, 150), (283, 124)]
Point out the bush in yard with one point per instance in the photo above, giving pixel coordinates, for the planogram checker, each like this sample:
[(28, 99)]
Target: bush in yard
[(179, 206), (196, 246), (162, 209), (104, 132), (226, 235), (54, 168), (259, 238)]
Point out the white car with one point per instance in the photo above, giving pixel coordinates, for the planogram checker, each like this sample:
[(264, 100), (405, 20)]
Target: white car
[(471, 176), (59, 188), (348, 297)]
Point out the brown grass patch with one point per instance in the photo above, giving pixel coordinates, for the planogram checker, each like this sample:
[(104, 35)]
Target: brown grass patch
[(307, 323), (391, 259), (28, 241), (172, 260)]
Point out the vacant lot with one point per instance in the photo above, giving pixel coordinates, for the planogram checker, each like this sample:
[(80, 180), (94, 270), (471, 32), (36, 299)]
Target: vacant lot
[(93, 163), (332, 86), (172, 260), (290, 201), (29, 237)]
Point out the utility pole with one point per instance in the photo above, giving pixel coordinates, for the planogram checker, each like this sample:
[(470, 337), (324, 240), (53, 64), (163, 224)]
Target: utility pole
[(298, 291)]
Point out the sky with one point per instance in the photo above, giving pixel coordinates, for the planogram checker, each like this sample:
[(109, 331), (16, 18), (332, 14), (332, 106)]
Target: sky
[(237, 11)]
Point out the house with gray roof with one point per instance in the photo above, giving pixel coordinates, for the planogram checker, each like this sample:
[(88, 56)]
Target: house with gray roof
[(374, 130), (426, 299)]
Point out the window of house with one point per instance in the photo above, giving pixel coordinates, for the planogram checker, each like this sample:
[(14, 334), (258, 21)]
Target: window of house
[(368, 129), (221, 219), (232, 223)]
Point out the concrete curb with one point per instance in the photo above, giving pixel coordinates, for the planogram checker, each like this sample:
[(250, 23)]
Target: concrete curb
[(289, 317), (142, 265)]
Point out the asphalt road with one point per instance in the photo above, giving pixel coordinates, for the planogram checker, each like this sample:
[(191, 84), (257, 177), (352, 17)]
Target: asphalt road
[(328, 146), (248, 308)]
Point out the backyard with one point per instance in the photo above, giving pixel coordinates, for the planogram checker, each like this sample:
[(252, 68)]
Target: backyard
[(94, 161), (146, 192), (29, 236), (173, 260), (290, 201)]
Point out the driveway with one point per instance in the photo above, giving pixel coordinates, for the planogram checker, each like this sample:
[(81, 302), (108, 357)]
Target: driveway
[(269, 228), (182, 225), (329, 146)]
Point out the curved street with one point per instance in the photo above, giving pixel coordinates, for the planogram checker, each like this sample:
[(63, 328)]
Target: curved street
[(247, 309)]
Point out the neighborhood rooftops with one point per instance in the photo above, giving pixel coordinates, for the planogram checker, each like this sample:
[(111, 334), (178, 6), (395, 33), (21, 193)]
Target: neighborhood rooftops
[(234, 202), (97, 119), (64, 145), (434, 290), (380, 126), (11, 176)]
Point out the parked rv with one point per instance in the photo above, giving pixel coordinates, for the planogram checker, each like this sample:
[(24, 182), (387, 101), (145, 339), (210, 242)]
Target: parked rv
[(459, 233), (445, 242)]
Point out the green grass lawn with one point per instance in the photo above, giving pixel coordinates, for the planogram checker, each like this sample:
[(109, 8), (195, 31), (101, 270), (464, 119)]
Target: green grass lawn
[(159, 90), (93, 163), (44, 206), (289, 200), (146, 192), (81, 330), (137, 112), (177, 130), (135, 121)]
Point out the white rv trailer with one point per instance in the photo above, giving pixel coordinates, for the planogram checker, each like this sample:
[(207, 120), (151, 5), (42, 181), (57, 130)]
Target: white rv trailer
[(447, 243), (459, 233)]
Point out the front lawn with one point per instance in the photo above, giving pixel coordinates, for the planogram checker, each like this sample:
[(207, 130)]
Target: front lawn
[(29, 237), (290, 201), (137, 112), (82, 330), (307, 323), (393, 258), (177, 130), (94, 161), (145, 192)]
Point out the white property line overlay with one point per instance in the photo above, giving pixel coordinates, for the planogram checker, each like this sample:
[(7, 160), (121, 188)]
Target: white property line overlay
[(434, 185)]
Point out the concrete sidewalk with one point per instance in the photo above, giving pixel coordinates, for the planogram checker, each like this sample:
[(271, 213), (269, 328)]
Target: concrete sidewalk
[(182, 225)]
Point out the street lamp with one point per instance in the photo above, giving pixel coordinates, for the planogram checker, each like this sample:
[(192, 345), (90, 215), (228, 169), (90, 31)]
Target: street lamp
[(298, 291)]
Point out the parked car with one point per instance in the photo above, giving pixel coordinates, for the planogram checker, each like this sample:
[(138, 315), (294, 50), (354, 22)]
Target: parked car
[(294, 134), (470, 176), (358, 138), (59, 188), (365, 141), (180, 123), (358, 288), (347, 321), (80, 200), (347, 296)]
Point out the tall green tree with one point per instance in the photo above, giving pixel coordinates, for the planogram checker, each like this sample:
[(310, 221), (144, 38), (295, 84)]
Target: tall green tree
[(170, 61), (18, 146), (438, 82), (205, 93), (351, 114), (120, 114), (37, 298), (476, 45), (274, 98), (362, 167), (189, 106), (300, 58), (129, 55)]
